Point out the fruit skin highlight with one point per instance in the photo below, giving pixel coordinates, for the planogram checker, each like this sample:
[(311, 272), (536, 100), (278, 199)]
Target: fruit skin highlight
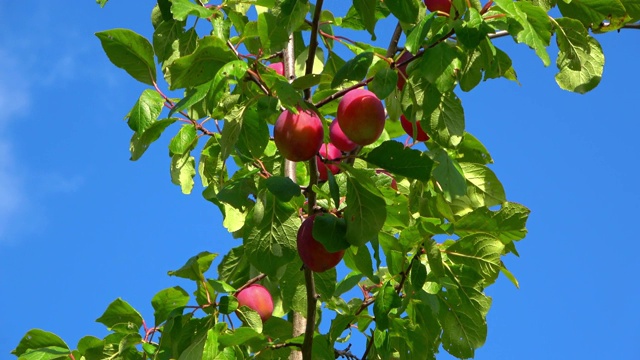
[(339, 139), (298, 137), (257, 298), (313, 254), (278, 67), (329, 152), (361, 116), (408, 128), (438, 5)]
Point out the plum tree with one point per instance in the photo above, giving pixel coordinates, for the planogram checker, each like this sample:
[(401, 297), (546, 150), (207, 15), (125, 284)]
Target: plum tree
[(327, 152), (298, 136), (257, 298), (339, 139), (407, 126), (419, 258), (314, 255), (361, 116)]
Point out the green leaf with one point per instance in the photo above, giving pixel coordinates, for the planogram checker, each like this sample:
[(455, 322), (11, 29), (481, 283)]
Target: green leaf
[(183, 169), (184, 141), (529, 24), (237, 191), (500, 64), (166, 39), (195, 267), (47, 353), (231, 130), (339, 324), (145, 111), (120, 312), (321, 348), (250, 318), (472, 31), (444, 118), (91, 348), (367, 11), (472, 150), (384, 82), (254, 134), (181, 9), (449, 175), (351, 280), (633, 9), (292, 284), (200, 67), (594, 13), (481, 252), (405, 10), (234, 267), (416, 36), (365, 213), (273, 35), (439, 64), (292, 14), (434, 257), (325, 283), (572, 37), (36, 339), (394, 157), (271, 240), (131, 52), (192, 97), (168, 300), (483, 186), (140, 142), (464, 328), (101, 2), (238, 337), (353, 70), (462, 313), (507, 224), (588, 76), (227, 304), (387, 299), (330, 231), (359, 258), (283, 188)]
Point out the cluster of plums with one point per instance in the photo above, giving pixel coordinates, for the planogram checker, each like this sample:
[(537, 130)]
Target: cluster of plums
[(359, 121)]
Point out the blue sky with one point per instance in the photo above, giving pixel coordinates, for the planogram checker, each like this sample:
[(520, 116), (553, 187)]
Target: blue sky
[(81, 225)]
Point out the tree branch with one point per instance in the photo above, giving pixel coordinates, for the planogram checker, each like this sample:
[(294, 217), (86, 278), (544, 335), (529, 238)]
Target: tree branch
[(313, 44), (393, 44)]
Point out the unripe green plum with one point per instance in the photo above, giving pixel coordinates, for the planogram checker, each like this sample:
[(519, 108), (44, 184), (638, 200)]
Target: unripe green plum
[(438, 5), (329, 152), (408, 128), (298, 137), (313, 254), (258, 299), (339, 139), (361, 116), (278, 67)]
